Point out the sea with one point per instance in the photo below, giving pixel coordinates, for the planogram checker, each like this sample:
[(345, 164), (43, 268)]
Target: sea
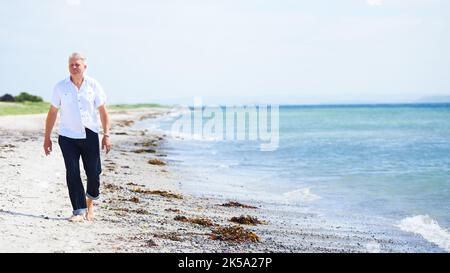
[(387, 163)]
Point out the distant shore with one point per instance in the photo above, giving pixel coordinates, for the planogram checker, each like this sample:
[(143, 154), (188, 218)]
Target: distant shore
[(142, 208)]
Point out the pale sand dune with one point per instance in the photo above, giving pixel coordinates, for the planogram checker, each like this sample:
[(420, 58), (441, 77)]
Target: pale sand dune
[(26, 123), (34, 203)]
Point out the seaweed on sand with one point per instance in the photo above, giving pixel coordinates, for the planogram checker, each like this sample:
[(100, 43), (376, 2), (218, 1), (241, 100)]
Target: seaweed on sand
[(199, 221), (173, 236), (141, 151), (157, 192), (234, 234), (237, 205), (247, 220), (111, 187), (157, 162)]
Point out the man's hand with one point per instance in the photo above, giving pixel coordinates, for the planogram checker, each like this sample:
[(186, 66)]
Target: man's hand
[(47, 146), (106, 144), (104, 117), (49, 122)]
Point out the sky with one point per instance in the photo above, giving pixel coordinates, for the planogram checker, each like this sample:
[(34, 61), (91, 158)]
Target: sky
[(231, 51)]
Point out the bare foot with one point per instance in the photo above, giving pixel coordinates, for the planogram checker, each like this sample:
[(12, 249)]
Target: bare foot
[(76, 218), (90, 209)]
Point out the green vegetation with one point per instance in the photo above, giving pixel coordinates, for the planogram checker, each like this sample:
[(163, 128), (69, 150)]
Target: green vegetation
[(23, 108), (24, 96), (22, 104), (29, 104)]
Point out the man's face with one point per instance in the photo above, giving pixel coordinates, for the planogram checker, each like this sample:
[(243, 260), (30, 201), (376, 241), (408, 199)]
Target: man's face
[(76, 67)]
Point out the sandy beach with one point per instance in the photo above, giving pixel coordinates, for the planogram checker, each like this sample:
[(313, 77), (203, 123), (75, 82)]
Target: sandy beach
[(141, 208)]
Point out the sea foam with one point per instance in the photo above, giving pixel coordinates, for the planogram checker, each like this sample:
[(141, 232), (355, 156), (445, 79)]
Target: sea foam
[(428, 228), (300, 196)]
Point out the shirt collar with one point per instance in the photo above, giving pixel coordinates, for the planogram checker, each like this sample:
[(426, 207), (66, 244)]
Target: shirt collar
[(67, 80)]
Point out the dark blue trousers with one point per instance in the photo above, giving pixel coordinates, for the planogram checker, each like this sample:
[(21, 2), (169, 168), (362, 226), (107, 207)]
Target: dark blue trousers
[(89, 150)]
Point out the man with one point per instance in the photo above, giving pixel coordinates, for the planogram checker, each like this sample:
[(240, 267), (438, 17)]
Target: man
[(79, 97)]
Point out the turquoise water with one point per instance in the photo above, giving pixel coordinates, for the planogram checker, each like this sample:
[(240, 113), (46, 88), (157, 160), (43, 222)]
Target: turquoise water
[(389, 161)]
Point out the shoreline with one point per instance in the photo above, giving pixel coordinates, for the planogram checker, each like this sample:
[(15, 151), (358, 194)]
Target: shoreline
[(142, 208)]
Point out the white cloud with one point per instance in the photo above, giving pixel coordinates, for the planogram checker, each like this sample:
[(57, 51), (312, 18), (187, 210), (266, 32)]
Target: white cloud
[(73, 3), (374, 2)]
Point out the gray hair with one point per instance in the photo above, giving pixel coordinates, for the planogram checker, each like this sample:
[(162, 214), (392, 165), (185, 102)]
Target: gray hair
[(78, 56)]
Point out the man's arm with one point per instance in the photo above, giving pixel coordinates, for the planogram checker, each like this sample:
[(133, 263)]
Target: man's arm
[(104, 117), (49, 123)]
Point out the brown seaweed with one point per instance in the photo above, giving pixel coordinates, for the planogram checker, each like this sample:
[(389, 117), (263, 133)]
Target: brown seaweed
[(157, 162), (234, 234), (199, 221), (158, 192), (237, 205), (247, 220)]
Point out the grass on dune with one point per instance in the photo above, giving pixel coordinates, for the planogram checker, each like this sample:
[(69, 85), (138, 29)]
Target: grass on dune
[(23, 108)]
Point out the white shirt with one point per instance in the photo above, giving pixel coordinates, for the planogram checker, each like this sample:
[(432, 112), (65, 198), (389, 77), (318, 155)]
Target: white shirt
[(78, 107)]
